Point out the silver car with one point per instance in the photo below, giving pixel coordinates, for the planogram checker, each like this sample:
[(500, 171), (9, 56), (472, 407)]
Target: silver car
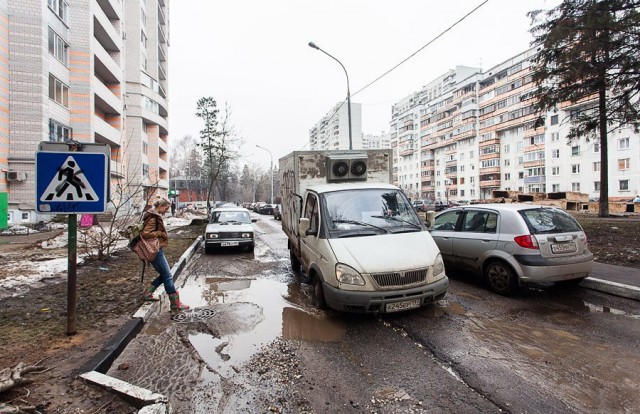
[(513, 243), (229, 227)]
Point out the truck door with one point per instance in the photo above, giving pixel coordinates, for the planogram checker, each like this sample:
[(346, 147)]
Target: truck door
[(309, 242)]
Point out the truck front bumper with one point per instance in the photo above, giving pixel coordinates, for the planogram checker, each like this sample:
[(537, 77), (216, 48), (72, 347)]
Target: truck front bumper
[(376, 302)]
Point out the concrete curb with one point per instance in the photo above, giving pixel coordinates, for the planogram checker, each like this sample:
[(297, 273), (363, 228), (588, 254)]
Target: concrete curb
[(94, 370), (613, 288)]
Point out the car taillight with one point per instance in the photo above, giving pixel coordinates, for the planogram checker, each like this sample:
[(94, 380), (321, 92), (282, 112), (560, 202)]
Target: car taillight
[(528, 241)]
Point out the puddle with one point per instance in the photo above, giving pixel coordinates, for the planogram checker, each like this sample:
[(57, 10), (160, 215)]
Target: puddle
[(273, 313), (444, 307), (605, 309)]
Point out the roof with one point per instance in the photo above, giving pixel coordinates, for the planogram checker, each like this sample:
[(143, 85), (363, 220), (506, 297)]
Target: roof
[(355, 185)]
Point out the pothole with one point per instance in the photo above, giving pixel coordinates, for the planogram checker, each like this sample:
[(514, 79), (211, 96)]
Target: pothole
[(193, 315)]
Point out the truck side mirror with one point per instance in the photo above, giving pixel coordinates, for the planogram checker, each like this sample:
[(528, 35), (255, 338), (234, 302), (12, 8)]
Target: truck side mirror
[(303, 226)]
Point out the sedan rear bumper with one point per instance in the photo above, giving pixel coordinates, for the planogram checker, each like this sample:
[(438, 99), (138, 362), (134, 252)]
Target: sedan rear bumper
[(539, 269)]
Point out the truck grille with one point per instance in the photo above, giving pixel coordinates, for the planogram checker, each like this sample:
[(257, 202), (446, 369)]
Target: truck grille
[(400, 278)]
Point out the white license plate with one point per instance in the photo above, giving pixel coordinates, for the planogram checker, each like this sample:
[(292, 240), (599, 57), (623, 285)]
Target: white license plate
[(229, 244), (564, 247), (399, 306)]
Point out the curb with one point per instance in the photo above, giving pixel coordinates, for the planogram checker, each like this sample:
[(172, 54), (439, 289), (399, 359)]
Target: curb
[(94, 370), (613, 288)]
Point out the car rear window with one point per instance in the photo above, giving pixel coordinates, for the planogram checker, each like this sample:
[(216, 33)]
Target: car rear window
[(546, 220)]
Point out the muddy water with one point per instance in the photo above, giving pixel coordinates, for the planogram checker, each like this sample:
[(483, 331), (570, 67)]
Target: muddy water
[(280, 314)]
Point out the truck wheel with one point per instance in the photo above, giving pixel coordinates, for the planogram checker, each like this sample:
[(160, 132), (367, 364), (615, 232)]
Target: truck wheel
[(295, 263), (318, 293), (501, 278)]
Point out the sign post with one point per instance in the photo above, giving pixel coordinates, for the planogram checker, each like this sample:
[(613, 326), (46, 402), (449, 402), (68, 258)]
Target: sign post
[(72, 178)]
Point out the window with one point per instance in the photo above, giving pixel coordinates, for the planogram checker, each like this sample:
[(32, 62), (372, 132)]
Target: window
[(555, 153), (470, 154), (596, 186), (555, 188), (623, 185), (521, 175), (58, 47), (58, 132), (145, 147), (575, 151), (519, 146), (596, 166), (506, 149), (555, 170), (59, 7), (623, 164), (311, 212), (507, 176), (58, 91), (145, 170), (480, 222), (596, 147), (554, 119), (507, 163), (555, 136), (623, 143), (575, 187), (575, 168), (143, 39), (446, 221)]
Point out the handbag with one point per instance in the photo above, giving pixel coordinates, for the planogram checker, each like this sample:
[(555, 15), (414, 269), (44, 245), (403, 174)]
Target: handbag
[(146, 249)]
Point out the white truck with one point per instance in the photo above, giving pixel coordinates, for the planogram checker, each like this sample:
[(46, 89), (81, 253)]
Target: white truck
[(356, 236)]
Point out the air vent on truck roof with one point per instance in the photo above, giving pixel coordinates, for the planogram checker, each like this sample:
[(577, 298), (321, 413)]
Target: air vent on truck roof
[(347, 167)]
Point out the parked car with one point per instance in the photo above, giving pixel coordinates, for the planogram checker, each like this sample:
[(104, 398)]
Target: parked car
[(277, 212), (266, 209), (423, 205), (439, 205), (511, 244), (258, 205), (229, 227)]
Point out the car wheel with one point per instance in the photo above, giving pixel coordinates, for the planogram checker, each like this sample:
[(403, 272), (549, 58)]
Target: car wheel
[(208, 249), (295, 263), (318, 293), (501, 278)]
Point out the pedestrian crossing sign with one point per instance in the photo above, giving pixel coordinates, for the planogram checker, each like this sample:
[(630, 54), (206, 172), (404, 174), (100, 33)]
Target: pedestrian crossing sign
[(71, 182)]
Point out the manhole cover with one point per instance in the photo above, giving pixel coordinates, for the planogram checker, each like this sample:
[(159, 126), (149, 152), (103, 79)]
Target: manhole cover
[(193, 315)]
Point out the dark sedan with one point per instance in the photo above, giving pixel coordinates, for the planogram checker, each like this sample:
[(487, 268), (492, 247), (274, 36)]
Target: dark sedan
[(266, 209)]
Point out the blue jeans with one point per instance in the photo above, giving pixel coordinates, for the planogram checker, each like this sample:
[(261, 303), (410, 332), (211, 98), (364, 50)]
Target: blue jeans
[(162, 267)]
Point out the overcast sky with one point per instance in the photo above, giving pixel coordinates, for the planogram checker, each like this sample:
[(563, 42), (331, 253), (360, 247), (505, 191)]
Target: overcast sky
[(254, 55)]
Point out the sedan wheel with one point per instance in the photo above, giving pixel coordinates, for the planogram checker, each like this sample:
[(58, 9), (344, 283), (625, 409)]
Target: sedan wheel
[(501, 278)]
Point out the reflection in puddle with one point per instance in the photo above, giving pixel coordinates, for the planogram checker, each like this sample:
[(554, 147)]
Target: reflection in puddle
[(274, 316), (605, 309)]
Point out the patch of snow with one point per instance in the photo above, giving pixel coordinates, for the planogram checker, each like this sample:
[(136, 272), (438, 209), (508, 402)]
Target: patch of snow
[(33, 274)]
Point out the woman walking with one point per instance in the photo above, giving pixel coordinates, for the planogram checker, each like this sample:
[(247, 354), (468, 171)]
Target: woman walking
[(154, 228)]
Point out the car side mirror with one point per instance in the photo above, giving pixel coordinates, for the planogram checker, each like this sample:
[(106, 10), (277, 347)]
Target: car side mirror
[(253, 220), (303, 226)]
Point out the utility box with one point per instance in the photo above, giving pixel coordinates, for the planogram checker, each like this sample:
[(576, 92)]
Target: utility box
[(4, 210)]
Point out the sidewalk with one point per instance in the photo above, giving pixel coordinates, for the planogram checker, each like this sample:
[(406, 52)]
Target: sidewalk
[(616, 280)]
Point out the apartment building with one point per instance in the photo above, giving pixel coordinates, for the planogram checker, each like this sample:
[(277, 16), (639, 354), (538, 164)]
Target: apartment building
[(371, 141), (146, 74), (430, 130), (332, 131), (63, 77), (478, 133)]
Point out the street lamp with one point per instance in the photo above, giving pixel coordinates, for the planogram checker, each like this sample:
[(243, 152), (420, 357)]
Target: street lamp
[(313, 45), (270, 170)]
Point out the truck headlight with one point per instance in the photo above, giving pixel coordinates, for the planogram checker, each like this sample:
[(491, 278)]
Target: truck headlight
[(348, 275), (438, 265), (247, 235), (212, 236)]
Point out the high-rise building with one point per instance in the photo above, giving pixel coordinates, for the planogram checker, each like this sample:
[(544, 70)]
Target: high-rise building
[(63, 65), (332, 131), (478, 132)]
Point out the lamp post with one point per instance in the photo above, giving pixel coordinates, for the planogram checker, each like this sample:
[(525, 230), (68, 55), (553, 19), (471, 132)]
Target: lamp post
[(313, 45), (270, 170)]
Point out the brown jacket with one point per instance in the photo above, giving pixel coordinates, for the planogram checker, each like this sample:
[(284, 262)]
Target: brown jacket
[(154, 227)]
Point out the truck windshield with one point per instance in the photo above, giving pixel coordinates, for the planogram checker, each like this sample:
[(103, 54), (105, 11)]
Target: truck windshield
[(380, 208)]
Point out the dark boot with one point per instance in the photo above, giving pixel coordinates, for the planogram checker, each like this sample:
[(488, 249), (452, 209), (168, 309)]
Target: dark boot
[(174, 298)]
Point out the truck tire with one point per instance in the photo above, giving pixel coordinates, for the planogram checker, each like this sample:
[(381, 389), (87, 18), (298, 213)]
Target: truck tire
[(318, 293), (295, 263)]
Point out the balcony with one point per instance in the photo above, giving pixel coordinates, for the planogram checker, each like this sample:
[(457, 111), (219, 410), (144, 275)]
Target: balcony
[(161, 16), (105, 66), (111, 8), (538, 179), (105, 133), (163, 165), (116, 169), (162, 38), (105, 33), (407, 152), (490, 184), (162, 57), (162, 75), (105, 99)]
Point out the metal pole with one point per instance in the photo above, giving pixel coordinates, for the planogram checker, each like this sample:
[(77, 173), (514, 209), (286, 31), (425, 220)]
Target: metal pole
[(71, 278), (313, 45)]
